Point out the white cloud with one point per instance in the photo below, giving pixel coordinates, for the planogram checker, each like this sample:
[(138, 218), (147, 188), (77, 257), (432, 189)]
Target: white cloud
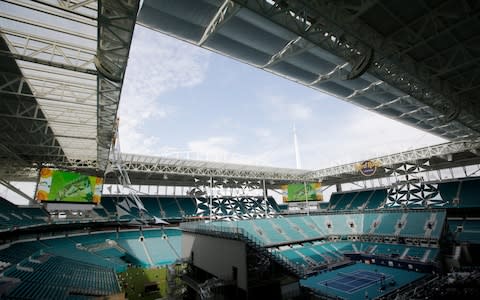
[(157, 64), (358, 137), (262, 132), (351, 137), (216, 146), (282, 108), (222, 149)]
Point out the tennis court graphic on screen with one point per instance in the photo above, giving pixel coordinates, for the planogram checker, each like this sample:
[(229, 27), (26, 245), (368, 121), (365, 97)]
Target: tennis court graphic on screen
[(67, 186), (295, 192)]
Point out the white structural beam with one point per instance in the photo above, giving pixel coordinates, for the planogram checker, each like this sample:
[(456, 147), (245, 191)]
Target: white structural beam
[(183, 167), (227, 10), (398, 158), (142, 168)]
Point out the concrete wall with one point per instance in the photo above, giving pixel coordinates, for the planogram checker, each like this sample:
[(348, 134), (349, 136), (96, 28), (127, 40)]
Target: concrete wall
[(217, 256)]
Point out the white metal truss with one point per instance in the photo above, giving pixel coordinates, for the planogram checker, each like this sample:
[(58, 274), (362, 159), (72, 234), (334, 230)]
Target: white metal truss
[(183, 167), (160, 165), (226, 10), (154, 170), (72, 56), (402, 157)]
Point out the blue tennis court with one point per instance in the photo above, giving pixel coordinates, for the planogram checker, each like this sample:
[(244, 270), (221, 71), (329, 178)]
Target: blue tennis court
[(354, 281)]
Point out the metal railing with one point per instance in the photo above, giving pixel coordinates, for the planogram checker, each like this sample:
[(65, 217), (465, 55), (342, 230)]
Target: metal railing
[(238, 233)]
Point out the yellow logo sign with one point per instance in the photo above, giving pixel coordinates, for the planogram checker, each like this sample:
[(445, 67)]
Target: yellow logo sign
[(368, 167)]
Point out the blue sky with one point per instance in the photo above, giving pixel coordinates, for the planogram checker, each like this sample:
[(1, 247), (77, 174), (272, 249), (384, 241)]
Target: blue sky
[(178, 97)]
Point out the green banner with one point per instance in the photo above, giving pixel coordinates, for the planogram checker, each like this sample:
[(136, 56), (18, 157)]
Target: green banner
[(66, 186), (296, 192)]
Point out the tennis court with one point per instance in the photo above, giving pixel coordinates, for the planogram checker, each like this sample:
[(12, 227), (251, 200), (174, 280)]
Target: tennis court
[(354, 281)]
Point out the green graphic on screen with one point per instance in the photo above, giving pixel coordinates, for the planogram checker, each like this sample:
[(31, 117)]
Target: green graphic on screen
[(66, 186), (296, 192)]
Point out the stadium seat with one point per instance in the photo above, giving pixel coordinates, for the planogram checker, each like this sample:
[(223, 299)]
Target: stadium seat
[(469, 193), (376, 199), (449, 191), (56, 277)]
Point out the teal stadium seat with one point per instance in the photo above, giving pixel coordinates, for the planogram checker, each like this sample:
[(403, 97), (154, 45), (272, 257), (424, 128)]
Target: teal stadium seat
[(388, 223), (345, 200), (170, 207), (109, 203), (152, 206), (470, 232), (188, 205), (449, 192), (57, 277), (334, 199), (360, 200), (376, 199), (307, 226), (469, 193)]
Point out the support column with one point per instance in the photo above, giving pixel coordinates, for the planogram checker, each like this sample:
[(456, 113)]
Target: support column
[(265, 198), (306, 198), (339, 187), (211, 200)]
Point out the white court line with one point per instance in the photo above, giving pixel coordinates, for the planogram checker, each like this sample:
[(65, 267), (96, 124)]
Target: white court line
[(357, 287)]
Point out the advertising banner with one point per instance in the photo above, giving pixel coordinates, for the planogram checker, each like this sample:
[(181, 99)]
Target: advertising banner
[(65, 186), (296, 192)]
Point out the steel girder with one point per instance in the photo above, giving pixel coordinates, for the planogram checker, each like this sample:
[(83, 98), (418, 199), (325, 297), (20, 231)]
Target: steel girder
[(330, 25), (154, 167), (402, 157), (152, 170), (162, 165), (115, 30), (69, 73), (52, 45), (391, 62)]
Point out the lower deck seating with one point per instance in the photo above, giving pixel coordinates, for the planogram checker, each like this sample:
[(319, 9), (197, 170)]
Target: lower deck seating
[(320, 253), (17, 252), (107, 249), (54, 277)]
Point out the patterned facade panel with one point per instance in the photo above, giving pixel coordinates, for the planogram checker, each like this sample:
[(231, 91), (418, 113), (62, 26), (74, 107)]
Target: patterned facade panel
[(233, 203)]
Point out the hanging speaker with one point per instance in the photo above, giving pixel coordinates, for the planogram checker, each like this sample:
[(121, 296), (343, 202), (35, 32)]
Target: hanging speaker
[(361, 66)]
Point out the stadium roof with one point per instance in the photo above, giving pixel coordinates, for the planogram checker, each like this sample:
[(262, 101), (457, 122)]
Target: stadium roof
[(61, 71), (415, 63), (62, 65)]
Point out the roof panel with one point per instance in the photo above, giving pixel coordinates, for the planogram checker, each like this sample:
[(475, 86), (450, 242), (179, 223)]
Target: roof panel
[(281, 36), (252, 36), (53, 89), (233, 48)]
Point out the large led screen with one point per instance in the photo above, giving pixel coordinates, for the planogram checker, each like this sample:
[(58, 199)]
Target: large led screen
[(295, 192), (57, 185)]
